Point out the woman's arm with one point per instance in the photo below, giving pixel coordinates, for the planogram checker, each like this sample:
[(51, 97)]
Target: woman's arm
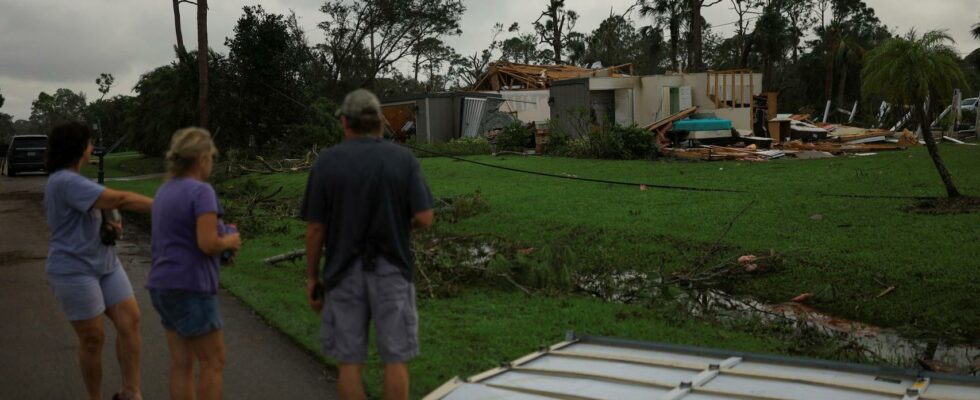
[(207, 236), (117, 199)]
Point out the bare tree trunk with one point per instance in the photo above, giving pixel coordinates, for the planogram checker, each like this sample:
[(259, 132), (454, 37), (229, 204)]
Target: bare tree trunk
[(675, 37), (695, 62), (181, 50), (831, 60), (746, 51), (843, 84), (937, 160), (556, 44), (202, 62)]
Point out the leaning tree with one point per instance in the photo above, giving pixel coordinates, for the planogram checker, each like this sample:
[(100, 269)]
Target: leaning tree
[(918, 71)]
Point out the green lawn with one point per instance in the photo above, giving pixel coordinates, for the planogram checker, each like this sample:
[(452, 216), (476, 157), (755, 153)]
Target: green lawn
[(124, 164), (847, 255)]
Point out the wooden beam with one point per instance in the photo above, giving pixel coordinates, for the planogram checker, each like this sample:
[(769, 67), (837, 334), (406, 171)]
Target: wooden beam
[(716, 91), (724, 88), (676, 117), (733, 91), (741, 89), (707, 85)]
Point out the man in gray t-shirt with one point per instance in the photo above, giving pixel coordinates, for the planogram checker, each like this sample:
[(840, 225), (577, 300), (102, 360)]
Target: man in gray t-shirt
[(362, 198)]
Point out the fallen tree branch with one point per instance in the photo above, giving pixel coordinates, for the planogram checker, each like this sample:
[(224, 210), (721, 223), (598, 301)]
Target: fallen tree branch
[(290, 256), (267, 165), (714, 246), (254, 171), (502, 275)]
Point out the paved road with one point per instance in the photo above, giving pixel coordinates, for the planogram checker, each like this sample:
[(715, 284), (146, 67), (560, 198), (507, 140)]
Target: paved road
[(38, 348)]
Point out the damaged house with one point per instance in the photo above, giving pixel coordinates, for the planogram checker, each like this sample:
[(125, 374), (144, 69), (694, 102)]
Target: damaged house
[(575, 98)]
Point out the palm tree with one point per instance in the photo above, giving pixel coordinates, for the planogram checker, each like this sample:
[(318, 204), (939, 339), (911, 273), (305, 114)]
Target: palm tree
[(916, 70), (671, 13), (976, 30)]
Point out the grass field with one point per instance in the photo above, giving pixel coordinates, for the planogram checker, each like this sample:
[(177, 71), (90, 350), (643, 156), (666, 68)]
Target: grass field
[(846, 250), (124, 164)]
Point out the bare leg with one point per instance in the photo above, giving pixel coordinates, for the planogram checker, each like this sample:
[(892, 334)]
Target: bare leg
[(209, 350), (349, 383), (126, 317), (91, 336), (181, 368), (396, 381)]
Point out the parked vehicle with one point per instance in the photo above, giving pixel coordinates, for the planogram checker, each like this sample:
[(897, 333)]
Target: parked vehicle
[(25, 154), (969, 104)]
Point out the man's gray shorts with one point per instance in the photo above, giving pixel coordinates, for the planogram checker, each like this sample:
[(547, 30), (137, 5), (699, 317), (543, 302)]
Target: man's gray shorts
[(383, 296)]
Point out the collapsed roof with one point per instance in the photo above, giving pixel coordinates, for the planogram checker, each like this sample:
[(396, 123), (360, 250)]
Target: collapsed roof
[(512, 76)]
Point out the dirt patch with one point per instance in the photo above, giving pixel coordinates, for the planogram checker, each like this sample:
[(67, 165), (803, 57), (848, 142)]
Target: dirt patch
[(944, 206), (14, 257), (22, 195)]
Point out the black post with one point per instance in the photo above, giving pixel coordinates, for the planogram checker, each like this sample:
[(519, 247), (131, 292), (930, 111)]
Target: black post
[(101, 155)]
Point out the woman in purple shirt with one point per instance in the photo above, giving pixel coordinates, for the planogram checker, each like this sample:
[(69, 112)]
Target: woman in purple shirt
[(187, 242), (83, 270)]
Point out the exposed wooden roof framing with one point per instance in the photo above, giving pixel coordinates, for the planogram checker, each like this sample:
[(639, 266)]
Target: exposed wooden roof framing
[(512, 76)]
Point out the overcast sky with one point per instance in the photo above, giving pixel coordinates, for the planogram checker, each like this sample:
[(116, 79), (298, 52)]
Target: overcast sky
[(49, 44)]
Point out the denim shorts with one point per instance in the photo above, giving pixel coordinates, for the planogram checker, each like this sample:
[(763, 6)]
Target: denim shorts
[(383, 296), (86, 296), (188, 313)]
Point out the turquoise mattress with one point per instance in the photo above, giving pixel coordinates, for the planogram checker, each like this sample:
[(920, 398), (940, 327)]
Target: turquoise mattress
[(707, 124)]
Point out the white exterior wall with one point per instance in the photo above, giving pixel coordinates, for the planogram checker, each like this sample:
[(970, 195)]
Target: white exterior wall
[(645, 94), (649, 106), (530, 105)]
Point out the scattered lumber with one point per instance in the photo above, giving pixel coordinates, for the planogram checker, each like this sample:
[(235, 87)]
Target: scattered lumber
[(716, 153), (868, 134), (957, 141), (841, 148)]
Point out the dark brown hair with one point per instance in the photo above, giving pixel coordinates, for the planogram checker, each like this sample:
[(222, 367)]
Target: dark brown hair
[(66, 144)]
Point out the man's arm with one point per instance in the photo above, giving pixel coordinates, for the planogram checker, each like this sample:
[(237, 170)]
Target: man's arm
[(423, 219), (314, 250)]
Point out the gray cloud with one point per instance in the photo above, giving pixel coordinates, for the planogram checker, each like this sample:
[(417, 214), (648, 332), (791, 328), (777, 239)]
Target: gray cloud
[(47, 44)]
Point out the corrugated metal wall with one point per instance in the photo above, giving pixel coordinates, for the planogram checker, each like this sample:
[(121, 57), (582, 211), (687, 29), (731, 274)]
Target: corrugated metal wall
[(439, 116)]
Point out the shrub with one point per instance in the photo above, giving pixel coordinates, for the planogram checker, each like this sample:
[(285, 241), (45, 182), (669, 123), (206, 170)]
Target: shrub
[(616, 143), (456, 147), (514, 137), (638, 143)]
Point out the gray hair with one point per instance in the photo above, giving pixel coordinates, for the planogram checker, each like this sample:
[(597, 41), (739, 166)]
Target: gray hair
[(186, 146)]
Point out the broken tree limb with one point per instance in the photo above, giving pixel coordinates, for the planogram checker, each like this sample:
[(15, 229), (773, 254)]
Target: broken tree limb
[(505, 276), (259, 199), (254, 171), (885, 292), (290, 256), (267, 165)]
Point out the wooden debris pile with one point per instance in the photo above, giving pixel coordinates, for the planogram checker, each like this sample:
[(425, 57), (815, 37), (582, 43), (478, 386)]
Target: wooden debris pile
[(806, 140), (263, 166)]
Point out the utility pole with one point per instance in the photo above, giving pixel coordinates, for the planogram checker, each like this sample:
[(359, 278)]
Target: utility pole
[(100, 152)]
